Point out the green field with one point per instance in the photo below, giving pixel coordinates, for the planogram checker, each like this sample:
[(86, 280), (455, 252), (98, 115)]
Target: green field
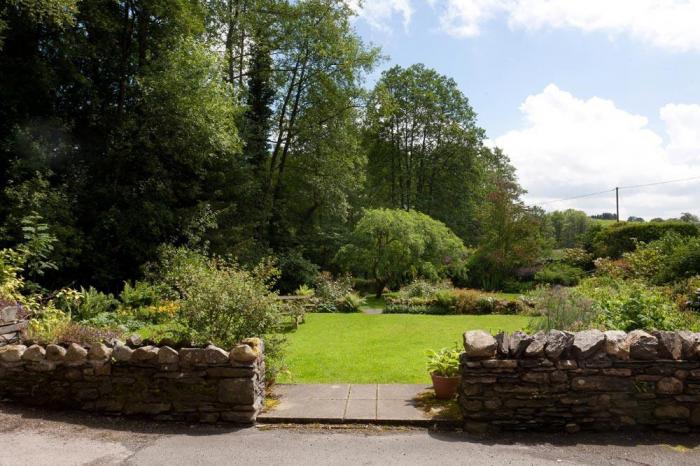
[(360, 348)]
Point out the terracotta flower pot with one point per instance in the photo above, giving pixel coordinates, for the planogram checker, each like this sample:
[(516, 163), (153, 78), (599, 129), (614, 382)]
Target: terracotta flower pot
[(445, 387)]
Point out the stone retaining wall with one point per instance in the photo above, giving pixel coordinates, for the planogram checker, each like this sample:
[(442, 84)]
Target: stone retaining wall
[(590, 380), (192, 384)]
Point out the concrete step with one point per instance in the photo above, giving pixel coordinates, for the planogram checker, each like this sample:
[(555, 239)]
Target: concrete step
[(390, 404)]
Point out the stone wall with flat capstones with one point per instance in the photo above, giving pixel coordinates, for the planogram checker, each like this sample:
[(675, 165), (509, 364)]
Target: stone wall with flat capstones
[(190, 384), (590, 380)]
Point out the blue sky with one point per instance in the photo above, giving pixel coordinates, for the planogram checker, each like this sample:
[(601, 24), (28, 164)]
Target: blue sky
[(581, 96)]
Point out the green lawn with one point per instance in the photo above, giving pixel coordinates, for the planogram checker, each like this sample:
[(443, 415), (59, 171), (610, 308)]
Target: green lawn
[(360, 348)]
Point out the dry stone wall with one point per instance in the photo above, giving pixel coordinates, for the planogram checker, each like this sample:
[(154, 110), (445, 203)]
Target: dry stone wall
[(191, 384), (591, 380)]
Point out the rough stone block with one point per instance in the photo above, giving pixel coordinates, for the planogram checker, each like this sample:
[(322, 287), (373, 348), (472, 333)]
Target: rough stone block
[(214, 355), (237, 391), (558, 343), (55, 353), (670, 345), (479, 344), (12, 353), (588, 343), (167, 355), (75, 355), (34, 353), (642, 345), (243, 354), (616, 344), (669, 386)]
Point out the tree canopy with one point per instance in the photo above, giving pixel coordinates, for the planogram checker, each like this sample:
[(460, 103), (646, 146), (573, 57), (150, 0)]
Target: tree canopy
[(390, 245)]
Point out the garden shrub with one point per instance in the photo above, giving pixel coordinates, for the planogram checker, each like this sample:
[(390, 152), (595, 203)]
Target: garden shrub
[(295, 271), (632, 304), (619, 238), (351, 302), (577, 257), (559, 274), (562, 309), (421, 288), (330, 292), (220, 302)]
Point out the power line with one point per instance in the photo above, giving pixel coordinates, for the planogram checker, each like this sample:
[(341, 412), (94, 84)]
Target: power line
[(620, 187), (578, 197), (660, 182)]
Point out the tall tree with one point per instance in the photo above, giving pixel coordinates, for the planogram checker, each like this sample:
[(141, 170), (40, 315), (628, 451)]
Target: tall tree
[(425, 150)]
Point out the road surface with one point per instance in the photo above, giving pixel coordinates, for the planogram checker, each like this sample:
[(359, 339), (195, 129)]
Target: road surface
[(36, 437)]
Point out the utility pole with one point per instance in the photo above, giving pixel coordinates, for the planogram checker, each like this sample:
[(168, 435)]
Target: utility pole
[(617, 203)]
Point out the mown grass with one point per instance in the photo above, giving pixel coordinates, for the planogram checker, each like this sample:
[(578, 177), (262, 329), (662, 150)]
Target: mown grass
[(361, 348)]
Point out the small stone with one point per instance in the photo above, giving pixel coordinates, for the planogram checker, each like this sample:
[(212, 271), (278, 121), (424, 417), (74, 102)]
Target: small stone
[(122, 353), (587, 343), (237, 391), (479, 344), (145, 354), (502, 340), (642, 345), (519, 342), (690, 342), (12, 353), (167, 355), (672, 412), (670, 345), (616, 344), (669, 386), (214, 355), (244, 354), (572, 428), (193, 357), (536, 348), (558, 343), (55, 353), (255, 343), (500, 363), (99, 352), (134, 341), (75, 355), (34, 353)]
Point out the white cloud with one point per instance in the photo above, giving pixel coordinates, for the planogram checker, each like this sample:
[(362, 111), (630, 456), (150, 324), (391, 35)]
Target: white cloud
[(571, 146), (671, 24), (378, 13)]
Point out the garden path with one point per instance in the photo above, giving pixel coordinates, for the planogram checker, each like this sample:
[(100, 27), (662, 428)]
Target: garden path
[(400, 404)]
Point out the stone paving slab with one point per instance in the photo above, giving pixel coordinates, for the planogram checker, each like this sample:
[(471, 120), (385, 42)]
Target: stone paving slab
[(348, 403)]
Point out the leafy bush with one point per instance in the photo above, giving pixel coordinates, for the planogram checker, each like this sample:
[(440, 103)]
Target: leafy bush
[(619, 238), (390, 246), (457, 301), (445, 362), (418, 305), (295, 271), (562, 309), (304, 291), (351, 302), (577, 257), (86, 303), (142, 294), (330, 291), (632, 304), (221, 302), (421, 288), (559, 274)]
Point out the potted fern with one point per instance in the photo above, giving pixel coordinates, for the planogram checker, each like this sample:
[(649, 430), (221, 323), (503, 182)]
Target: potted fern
[(443, 366)]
